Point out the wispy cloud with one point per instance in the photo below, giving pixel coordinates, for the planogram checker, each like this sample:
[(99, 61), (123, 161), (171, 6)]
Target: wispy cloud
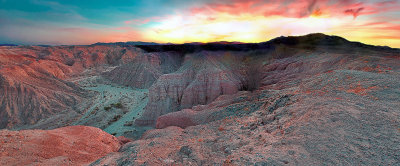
[(41, 21)]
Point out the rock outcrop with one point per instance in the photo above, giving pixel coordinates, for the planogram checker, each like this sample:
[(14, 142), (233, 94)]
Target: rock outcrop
[(75, 145), (335, 105), (180, 119), (29, 94), (200, 80), (145, 69)]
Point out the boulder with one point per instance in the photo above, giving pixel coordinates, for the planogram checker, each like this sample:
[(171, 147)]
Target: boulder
[(74, 145), (180, 119)]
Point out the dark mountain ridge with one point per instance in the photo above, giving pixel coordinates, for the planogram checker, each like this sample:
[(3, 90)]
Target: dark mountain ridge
[(310, 41)]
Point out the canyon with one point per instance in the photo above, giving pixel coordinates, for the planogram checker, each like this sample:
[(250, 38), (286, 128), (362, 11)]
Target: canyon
[(297, 100)]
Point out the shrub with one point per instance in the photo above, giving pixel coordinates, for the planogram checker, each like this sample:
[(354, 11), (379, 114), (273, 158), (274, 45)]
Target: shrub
[(116, 118), (252, 71), (107, 108), (118, 105), (70, 62), (128, 123)]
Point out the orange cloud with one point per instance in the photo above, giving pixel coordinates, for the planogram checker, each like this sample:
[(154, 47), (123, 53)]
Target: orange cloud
[(261, 20), (297, 8), (386, 37)]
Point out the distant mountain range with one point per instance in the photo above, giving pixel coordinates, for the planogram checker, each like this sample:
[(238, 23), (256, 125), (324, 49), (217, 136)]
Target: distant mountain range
[(310, 40), (126, 43), (314, 39), (304, 42), (8, 45), (138, 43)]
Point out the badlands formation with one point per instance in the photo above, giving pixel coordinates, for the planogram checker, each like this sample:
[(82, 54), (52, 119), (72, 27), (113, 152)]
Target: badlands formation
[(307, 100)]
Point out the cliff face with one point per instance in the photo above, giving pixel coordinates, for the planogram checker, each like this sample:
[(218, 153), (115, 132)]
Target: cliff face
[(22, 102), (201, 79), (208, 74), (145, 69), (293, 73)]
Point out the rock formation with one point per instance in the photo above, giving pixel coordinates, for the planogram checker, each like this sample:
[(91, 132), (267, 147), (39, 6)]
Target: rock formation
[(201, 79), (34, 82), (75, 145), (307, 100), (145, 69), (332, 104)]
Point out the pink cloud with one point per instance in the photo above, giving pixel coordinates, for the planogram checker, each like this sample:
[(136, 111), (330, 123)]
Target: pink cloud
[(297, 8), (137, 21), (142, 21), (354, 12)]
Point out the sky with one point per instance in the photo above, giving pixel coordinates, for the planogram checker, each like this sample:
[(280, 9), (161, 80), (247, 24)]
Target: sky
[(81, 22)]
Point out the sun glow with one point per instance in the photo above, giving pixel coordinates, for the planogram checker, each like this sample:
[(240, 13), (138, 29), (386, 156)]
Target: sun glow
[(256, 21), (60, 22), (243, 28)]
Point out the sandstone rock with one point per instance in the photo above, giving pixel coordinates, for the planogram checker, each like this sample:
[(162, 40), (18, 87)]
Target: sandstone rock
[(185, 151), (199, 81), (123, 140), (181, 119), (159, 133), (302, 127), (319, 104), (145, 69), (33, 82), (75, 145)]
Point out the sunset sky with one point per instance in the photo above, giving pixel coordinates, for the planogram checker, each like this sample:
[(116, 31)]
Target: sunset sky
[(70, 22)]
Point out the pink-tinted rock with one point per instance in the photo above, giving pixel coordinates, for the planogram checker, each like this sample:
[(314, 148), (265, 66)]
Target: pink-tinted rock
[(144, 70), (33, 82), (75, 145), (199, 114), (208, 85), (123, 140), (191, 85), (170, 131), (181, 119)]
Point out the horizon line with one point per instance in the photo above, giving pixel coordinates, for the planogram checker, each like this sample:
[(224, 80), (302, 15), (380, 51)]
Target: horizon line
[(187, 43)]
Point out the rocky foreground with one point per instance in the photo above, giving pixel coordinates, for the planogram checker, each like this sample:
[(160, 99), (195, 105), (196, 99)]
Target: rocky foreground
[(75, 145), (309, 100)]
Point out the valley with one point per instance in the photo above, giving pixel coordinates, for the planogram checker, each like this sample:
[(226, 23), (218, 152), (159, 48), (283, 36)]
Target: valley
[(114, 108), (304, 100)]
